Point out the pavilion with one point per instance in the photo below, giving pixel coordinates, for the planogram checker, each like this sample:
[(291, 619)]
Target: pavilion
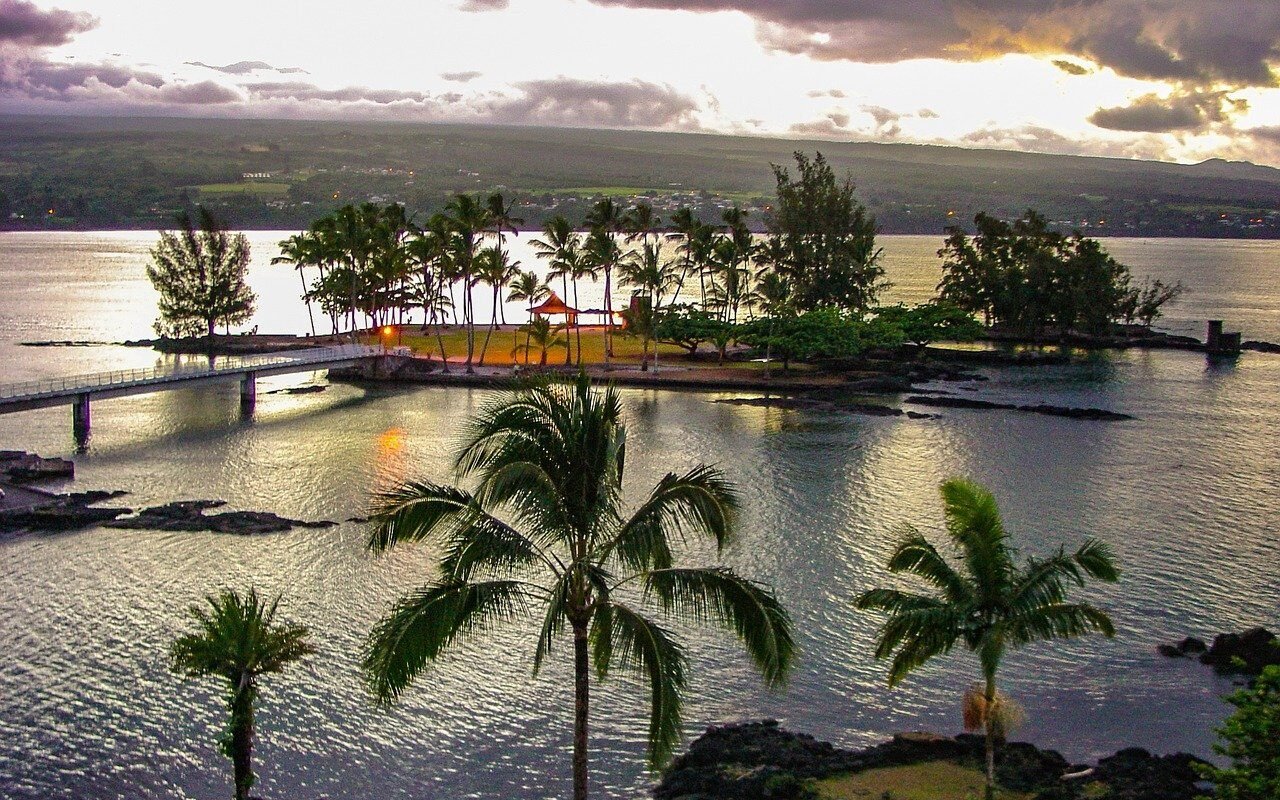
[(553, 305)]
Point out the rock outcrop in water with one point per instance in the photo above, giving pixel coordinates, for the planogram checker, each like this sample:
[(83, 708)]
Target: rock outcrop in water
[(761, 761), (188, 515), (22, 467), (1041, 408), (64, 512), (1245, 653)]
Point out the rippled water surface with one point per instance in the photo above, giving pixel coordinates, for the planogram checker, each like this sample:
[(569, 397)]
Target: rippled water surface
[(1187, 493)]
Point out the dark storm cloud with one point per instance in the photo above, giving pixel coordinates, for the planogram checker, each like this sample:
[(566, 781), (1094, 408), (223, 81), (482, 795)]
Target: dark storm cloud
[(477, 6), (292, 90), (1185, 111), (574, 102), (461, 77), (24, 24), (246, 67), (1202, 41)]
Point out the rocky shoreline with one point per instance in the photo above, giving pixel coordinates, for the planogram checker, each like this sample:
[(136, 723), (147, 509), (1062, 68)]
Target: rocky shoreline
[(1245, 653), (762, 761)]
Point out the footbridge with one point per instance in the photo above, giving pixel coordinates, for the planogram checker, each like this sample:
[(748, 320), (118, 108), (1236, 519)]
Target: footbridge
[(78, 390)]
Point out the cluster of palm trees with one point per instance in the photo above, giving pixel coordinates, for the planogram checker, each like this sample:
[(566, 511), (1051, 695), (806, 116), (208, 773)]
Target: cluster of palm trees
[(376, 266), (370, 265), (543, 536)]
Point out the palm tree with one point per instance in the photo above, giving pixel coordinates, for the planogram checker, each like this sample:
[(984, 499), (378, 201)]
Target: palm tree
[(500, 214), (494, 266), (470, 219), (989, 605), (527, 287), (559, 246), (606, 219), (239, 640), (540, 332), (544, 534), (301, 250)]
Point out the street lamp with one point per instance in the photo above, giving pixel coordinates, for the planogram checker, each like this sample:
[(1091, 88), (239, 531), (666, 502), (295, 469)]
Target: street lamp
[(387, 330)]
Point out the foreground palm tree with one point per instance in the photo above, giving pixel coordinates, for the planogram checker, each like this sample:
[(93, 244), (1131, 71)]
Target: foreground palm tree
[(544, 533), (990, 605), (238, 639)]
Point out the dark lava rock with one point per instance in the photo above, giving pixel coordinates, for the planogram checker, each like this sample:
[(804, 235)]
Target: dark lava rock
[(1192, 645), (24, 467), (188, 515), (761, 761), (810, 404), (1042, 408), (881, 384), (1261, 347), (309, 389), (69, 512), (1170, 651), (1135, 774), (1247, 652)]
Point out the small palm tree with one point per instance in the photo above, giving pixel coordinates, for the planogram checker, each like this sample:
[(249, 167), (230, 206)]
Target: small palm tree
[(549, 459), (239, 640), (989, 605), (540, 333)]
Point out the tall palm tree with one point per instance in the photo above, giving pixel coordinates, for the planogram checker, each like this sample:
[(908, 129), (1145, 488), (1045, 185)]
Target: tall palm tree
[(301, 251), (503, 221), (990, 604), (238, 639), (559, 246), (470, 219), (606, 219), (544, 534), (494, 267)]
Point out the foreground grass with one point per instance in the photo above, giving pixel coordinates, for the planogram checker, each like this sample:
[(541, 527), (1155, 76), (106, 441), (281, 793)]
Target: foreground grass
[(930, 780)]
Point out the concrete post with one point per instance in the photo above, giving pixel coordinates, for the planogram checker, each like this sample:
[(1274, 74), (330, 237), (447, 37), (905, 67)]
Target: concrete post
[(248, 392), (80, 417)]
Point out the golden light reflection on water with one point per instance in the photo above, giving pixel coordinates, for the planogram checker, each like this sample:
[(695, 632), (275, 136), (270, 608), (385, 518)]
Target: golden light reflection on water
[(391, 459)]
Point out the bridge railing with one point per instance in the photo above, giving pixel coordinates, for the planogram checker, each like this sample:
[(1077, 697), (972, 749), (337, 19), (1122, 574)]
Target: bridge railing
[(178, 372)]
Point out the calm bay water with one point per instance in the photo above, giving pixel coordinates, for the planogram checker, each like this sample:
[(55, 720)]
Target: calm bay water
[(1188, 494)]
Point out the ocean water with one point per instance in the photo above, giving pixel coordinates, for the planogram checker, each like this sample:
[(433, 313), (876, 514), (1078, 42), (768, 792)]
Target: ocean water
[(1188, 494)]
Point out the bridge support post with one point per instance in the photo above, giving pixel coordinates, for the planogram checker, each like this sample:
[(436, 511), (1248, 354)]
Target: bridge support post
[(80, 418), (248, 392)]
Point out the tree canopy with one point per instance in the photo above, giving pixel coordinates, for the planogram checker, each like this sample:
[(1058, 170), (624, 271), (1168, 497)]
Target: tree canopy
[(823, 239), (200, 274)]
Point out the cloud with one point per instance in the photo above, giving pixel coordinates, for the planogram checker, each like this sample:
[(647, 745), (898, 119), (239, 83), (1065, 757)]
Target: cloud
[(1070, 67), (480, 6), (573, 102), (835, 123), (461, 77), (246, 67), (836, 93), (1182, 111), (887, 121), (1232, 42), (106, 84), (23, 24), (928, 113), (296, 90)]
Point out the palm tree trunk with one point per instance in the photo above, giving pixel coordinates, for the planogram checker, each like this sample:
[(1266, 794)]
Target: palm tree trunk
[(581, 704), (242, 738), (577, 323), (608, 316), (991, 737), (307, 297), (568, 351), (493, 326)]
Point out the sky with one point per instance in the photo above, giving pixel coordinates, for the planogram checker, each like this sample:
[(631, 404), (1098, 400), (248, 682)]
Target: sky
[(1174, 80)]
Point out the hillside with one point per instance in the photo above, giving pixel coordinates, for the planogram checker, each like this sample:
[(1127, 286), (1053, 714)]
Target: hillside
[(69, 172)]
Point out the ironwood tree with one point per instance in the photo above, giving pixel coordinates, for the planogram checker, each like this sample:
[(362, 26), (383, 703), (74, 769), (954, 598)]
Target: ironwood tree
[(200, 272)]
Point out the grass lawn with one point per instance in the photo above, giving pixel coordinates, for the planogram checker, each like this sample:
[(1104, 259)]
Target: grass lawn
[(626, 349), (262, 188), (930, 780)]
